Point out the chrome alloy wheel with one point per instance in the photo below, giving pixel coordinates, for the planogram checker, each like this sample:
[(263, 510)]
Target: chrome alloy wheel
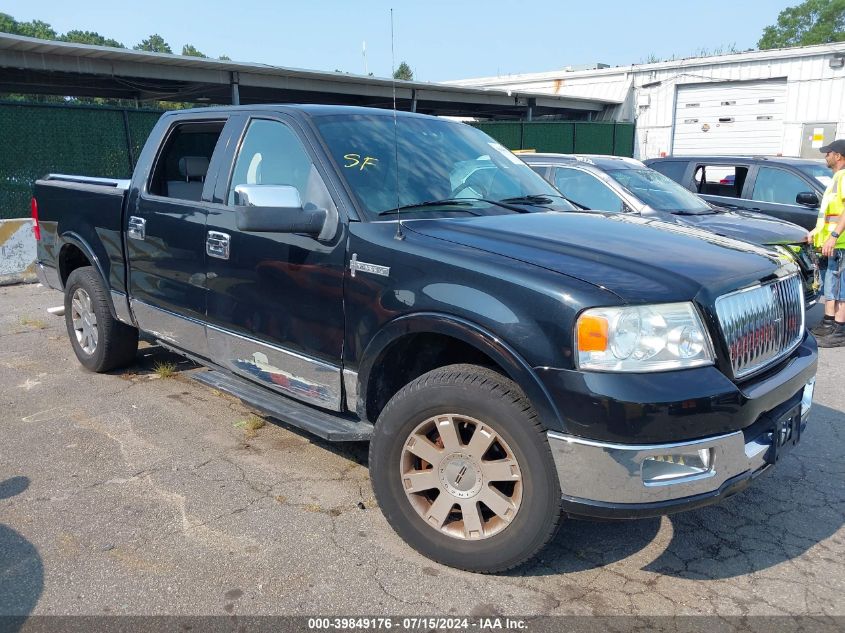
[(84, 321), (461, 477)]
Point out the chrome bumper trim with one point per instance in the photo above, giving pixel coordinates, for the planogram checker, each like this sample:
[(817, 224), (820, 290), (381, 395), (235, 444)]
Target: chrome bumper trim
[(612, 473)]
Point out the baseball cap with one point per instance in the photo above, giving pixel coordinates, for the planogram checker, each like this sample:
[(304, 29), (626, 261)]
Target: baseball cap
[(837, 146)]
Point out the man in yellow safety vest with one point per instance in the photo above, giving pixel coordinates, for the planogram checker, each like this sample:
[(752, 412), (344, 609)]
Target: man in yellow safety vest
[(828, 238)]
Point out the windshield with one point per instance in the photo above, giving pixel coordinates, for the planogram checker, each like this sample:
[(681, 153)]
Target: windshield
[(438, 160), (659, 192), (819, 171)]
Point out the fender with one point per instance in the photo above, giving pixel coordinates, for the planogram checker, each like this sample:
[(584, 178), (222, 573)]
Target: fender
[(514, 366), (69, 237)]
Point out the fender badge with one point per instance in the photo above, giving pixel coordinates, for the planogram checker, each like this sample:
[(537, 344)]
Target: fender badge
[(355, 265)]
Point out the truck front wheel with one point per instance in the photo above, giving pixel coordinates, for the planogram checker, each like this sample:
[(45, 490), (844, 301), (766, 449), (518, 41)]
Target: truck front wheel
[(462, 470), (100, 341)]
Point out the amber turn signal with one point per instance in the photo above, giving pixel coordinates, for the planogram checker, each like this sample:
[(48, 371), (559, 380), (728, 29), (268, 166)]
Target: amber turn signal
[(592, 334)]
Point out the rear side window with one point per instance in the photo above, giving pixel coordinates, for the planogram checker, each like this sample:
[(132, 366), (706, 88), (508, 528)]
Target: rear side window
[(586, 190), (182, 165), (777, 185), (674, 169), (720, 180)]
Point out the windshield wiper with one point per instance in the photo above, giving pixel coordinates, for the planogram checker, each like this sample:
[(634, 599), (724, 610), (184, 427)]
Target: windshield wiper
[(457, 202), (448, 202), (544, 199)]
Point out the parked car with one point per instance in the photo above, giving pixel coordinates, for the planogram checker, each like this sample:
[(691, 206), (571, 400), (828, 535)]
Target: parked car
[(614, 183), (505, 365), (787, 188)]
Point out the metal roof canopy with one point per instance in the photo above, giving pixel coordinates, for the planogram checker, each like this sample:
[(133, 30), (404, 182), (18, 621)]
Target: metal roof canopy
[(33, 66)]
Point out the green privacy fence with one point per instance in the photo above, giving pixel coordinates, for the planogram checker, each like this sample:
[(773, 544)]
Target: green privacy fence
[(563, 137), (46, 138)]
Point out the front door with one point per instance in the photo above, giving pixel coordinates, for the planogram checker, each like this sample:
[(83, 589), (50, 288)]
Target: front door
[(275, 300), (775, 192)]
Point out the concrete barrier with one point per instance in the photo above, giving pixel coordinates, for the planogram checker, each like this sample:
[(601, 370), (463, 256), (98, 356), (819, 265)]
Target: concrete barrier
[(17, 252)]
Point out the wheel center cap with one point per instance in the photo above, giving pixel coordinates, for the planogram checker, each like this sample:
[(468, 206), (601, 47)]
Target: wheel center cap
[(460, 476)]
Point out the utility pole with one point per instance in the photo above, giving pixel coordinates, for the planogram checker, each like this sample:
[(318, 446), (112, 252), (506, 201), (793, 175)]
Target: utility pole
[(364, 54)]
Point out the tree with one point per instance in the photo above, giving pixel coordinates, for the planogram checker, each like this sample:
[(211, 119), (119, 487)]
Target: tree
[(191, 51), (811, 22), (90, 37), (7, 23), (404, 72), (35, 28), (225, 58), (155, 44)]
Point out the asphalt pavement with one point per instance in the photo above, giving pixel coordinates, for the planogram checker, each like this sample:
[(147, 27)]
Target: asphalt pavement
[(132, 493)]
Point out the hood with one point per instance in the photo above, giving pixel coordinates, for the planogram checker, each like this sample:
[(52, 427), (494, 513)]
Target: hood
[(743, 225), (638, 259)]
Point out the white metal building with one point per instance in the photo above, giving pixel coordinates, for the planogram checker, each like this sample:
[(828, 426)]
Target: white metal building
[(787, 101)]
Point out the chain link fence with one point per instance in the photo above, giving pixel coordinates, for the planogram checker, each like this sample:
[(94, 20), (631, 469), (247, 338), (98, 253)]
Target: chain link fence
[(47, 138), (563, 137)]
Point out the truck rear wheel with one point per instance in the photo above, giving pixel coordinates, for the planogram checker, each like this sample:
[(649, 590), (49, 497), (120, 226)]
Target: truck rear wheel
[(100, 341), (462, 470)]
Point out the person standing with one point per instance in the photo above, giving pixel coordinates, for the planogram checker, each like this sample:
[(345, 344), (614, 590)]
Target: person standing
[(828, 238)]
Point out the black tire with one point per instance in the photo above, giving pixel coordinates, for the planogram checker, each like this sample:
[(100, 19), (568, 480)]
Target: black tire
[(117, 343), (489, 397)]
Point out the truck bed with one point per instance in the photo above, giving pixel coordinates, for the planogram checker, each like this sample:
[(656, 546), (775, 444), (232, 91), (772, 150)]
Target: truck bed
[(94, 225)]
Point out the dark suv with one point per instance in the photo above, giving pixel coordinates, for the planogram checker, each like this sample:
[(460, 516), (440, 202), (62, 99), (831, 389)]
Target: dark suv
[(614, 183), (786, 188)]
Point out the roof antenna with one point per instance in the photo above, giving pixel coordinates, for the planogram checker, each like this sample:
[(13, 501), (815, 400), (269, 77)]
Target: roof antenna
[(399, 234)]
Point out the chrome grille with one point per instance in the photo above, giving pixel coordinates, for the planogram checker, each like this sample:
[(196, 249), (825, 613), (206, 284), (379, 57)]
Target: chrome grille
[(761, 324)]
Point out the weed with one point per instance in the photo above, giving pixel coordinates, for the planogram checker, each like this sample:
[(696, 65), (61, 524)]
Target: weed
[(35, 324), (252, 423), (165, 369)]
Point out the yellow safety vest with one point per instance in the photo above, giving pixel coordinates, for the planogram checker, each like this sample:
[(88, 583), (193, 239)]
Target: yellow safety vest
[(831, 208)]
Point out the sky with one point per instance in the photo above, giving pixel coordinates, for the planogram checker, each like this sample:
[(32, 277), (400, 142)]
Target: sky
[(439, 40)]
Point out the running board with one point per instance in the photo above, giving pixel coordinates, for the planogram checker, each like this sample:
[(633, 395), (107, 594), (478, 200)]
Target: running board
[(334, 428)]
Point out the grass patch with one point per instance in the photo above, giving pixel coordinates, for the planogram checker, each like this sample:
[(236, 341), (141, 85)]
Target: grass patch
[(35, 324), (252, 423), (165, 369)]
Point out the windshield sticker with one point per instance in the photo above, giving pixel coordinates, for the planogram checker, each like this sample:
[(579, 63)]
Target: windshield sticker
[(825, 180), (584, 159), (354, 160), (504, 151)]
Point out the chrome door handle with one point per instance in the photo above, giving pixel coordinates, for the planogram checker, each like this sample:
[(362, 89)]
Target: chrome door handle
[(217, 245), (137, 229)]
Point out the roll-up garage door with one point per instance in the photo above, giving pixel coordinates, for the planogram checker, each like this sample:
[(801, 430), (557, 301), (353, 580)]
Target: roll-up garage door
[(733, 118)]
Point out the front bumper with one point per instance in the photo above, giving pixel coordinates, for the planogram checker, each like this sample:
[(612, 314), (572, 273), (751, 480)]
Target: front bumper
[(607, 480)]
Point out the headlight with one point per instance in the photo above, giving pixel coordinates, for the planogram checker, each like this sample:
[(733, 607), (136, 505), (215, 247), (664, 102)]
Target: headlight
[(642, 338)]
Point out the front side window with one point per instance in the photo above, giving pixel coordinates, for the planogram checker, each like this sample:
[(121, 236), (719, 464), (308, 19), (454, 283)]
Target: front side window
[(587, 190), (777, 185), (417, 160), (271, 154)]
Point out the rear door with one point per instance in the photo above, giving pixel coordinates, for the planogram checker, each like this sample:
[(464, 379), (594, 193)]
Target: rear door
[(275, 300), (773, 191), (165, 233)]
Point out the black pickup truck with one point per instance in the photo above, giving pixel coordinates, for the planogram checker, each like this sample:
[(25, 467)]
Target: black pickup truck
[(343, 270)]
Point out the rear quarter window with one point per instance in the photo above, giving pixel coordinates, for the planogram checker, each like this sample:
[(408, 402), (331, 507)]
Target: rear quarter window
[(673, 169)]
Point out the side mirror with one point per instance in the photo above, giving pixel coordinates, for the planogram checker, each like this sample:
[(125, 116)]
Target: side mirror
[(276, 209), (807, 199)]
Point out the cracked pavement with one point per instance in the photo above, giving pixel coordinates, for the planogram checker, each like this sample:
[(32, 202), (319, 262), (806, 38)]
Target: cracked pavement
[(128, 493)]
